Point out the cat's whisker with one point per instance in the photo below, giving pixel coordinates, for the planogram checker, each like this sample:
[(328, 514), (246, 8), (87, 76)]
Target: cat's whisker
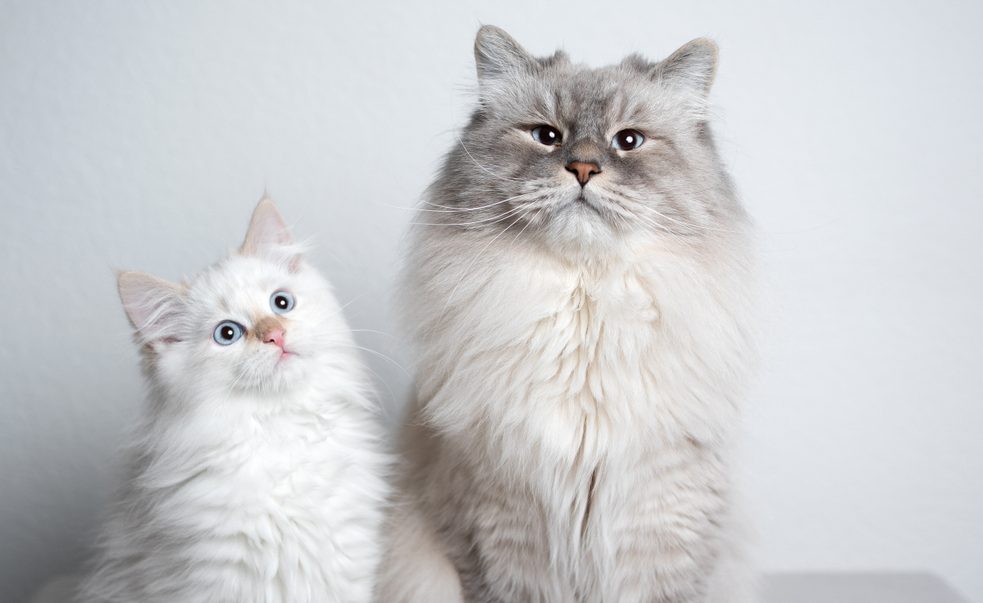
[(452, 209), (481, 167), (484, 221), (474, 260)]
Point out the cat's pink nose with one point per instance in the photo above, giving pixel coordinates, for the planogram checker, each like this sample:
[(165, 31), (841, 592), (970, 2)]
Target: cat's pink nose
[(274, 336), (583, 170)]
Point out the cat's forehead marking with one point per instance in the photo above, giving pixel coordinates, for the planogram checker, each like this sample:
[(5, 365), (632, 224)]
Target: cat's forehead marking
[(594, 99)]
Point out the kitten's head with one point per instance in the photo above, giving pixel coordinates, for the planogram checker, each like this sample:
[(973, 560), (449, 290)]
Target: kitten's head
[(581, 157), (262, 320)]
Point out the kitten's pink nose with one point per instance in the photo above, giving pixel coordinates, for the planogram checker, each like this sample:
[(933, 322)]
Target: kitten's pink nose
[(274, 335), (583, 170)]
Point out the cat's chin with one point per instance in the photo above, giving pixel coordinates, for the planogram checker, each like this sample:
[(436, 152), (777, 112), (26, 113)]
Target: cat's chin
[(580, 226)]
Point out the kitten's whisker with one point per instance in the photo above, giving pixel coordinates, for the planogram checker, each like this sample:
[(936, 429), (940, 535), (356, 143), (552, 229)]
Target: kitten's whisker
[(383, 333), (379, 354)]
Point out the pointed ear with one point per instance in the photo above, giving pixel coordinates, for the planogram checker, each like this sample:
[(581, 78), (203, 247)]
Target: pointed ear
[(497, 55), (692, 67), (154, 306), (267, 230)]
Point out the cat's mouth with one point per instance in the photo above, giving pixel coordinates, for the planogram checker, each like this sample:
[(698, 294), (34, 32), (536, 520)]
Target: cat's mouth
[(583, 200)]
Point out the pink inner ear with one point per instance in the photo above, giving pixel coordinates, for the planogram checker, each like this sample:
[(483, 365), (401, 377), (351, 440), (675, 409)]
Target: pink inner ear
[(267, 230)]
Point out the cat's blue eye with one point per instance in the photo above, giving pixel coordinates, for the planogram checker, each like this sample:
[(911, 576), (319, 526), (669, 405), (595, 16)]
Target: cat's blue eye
[(282, 302), (547, 135), (228, 332), (627, 140)]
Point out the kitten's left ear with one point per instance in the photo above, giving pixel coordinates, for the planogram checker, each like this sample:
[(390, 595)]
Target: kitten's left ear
[(153, 306), (268, 234), (693, 66)]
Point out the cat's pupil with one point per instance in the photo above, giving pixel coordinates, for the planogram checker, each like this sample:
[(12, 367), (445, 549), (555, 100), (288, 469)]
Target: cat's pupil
[(627, 140), (227, 333), (281, 302), (547, 135)]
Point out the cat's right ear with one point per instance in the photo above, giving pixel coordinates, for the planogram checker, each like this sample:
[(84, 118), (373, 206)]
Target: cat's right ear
[(497, 55), (153, 306)]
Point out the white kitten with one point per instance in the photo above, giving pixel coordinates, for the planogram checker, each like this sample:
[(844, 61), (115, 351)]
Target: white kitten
[(257, 472)]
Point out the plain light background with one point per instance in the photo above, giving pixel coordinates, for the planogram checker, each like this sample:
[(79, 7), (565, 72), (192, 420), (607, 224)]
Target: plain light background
[(140, 134)]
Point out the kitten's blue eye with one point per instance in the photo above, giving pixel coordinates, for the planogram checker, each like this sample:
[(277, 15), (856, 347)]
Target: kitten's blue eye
[(547, 135), (228, 332), (282, 302), (627, 140)]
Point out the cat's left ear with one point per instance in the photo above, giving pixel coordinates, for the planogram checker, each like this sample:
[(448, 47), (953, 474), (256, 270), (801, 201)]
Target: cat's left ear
[(498, 57), (268, 235), (693, 67)]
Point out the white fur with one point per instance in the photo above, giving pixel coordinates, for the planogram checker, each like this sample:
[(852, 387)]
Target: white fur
[(251, 479), (575, 414)]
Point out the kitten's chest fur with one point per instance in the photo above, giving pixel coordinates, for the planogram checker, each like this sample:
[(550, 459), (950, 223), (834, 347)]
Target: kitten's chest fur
[(264, 506), (577, 435)]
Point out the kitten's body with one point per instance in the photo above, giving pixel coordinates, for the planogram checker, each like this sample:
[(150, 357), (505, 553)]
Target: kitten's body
[(252, 479), (577, 387)]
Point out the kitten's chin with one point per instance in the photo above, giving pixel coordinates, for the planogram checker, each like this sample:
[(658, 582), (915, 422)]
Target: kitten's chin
[(287, 373)]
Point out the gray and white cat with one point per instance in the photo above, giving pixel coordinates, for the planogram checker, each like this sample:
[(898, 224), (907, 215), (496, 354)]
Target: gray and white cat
[(257, 473), (580, 293)]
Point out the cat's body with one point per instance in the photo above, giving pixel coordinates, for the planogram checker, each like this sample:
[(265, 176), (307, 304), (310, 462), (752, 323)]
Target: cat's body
[(579, 378), (257, 472)]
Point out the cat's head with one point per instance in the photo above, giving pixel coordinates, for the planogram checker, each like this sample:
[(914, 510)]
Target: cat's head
[(580, 156), (261, 320)]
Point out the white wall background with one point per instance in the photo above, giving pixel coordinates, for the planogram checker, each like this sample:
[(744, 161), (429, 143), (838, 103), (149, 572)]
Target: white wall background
[(139, 135)]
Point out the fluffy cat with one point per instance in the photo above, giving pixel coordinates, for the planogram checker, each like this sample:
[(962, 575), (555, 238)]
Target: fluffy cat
[(257, 472), (579, 289)]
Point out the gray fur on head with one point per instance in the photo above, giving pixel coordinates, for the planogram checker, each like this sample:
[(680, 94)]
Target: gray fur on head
[(499, 178)]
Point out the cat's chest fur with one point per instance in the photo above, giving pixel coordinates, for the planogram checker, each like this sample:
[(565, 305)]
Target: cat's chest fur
[(582, 406), (567, 361)]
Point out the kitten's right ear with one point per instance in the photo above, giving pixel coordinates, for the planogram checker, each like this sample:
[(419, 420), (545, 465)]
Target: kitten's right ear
[(497, 55), (267, 230), (152, 305)]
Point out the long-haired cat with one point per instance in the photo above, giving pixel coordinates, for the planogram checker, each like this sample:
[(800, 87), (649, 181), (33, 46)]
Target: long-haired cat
[(257, 471), (579, 290)]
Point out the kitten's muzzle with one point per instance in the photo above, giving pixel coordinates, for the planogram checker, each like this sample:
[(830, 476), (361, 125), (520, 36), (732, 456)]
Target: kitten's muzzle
[(269, 330), (583, 170)]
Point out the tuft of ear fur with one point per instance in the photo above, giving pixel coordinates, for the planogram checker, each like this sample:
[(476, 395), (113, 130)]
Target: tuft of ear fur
[(268, 236), (497, 55), (153, 305), (692, 67)]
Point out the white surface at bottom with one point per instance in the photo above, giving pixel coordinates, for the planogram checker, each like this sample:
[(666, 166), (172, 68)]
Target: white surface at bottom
[(858, 588)]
